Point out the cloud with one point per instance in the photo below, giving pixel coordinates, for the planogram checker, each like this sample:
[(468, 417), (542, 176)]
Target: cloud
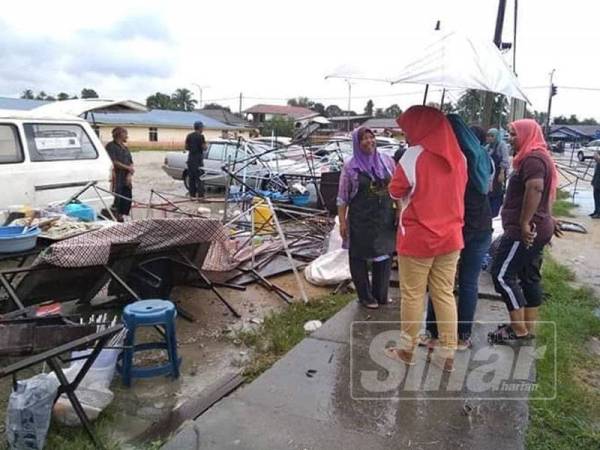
[(142, 26), (138, 47)]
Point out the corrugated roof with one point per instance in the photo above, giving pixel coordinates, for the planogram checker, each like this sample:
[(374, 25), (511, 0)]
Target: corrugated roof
[(226, 117), (590, 131), (159, 118), (153, 118), (20, 104), (381, 123), (297, 112)]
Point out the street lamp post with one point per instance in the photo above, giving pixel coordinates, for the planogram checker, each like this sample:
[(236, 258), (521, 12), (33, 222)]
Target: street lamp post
[(200, 92)]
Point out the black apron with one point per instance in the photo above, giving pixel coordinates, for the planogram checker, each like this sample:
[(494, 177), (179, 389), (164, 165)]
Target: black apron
[(372, 219)]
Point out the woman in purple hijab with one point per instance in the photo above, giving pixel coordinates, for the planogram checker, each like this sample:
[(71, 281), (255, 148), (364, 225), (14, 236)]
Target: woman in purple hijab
[(368, 218)]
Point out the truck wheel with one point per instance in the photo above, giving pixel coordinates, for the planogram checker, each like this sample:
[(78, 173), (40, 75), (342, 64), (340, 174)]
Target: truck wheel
[(186, 180), (580, 156)]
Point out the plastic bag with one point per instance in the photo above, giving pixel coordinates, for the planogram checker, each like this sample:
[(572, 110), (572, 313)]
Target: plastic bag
[(328, 269), (92, 392), (29, 409)]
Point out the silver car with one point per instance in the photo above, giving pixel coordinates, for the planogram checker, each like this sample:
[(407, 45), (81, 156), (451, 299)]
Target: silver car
[(588, 151), (252, 162)]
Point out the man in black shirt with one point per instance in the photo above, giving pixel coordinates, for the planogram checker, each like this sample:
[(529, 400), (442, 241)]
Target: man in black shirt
[(195, 144)]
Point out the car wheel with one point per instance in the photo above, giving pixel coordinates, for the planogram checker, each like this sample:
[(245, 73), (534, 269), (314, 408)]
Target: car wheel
[(580, 156), (186, 180)]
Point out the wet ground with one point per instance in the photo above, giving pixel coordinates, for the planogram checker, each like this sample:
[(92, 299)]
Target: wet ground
[(580, 252), (335, 390)]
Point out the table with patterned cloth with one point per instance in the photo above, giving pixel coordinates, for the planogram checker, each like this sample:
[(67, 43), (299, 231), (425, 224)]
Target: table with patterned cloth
[(152, 235)]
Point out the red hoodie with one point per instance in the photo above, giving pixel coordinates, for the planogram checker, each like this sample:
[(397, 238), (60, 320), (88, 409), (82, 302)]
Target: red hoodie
[(429, 183)]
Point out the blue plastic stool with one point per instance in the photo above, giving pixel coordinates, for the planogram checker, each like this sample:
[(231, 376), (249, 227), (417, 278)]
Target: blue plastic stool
[(142, 314)]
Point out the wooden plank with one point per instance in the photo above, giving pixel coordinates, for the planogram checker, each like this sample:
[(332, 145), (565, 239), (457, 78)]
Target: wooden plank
[(192, 408)]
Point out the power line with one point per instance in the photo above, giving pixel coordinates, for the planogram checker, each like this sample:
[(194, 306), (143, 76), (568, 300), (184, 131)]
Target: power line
[(361, 97)]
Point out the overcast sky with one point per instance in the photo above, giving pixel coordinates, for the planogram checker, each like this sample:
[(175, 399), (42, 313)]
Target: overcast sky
[(273, 50)]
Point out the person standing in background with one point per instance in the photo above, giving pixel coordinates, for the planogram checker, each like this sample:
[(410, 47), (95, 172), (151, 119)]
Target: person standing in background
[(498, 151), (195, 144), (122, 174), (596, 186)]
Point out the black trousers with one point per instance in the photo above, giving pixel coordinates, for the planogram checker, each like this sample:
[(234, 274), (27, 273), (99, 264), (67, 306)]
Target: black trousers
[(123, 206), (516, 271), (196, 185), (377, 290), (596, 200)]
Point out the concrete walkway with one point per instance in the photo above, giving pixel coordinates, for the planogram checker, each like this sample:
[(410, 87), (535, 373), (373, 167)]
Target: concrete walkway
[(314, 397)]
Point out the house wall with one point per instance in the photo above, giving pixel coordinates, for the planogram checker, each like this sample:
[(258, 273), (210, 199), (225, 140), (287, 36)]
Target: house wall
[(168, 138)]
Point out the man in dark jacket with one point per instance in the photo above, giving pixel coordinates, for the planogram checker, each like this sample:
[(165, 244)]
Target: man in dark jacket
[(596, 186), (195, 144)]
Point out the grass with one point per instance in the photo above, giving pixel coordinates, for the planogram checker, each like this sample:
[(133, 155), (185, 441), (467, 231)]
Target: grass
[(283, 330), (562, 206), (75, 438), (572, 420)]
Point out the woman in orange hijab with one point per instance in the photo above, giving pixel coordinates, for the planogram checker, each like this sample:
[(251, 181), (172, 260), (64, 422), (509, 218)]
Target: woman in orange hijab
[(528, 227)]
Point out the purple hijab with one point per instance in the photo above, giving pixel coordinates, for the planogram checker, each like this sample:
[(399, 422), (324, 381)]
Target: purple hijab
[(372, 165), (376, 165)]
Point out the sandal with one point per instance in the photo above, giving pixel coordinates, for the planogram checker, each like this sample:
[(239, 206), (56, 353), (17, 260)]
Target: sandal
[(399, 355), (505, 335), (373, 305)]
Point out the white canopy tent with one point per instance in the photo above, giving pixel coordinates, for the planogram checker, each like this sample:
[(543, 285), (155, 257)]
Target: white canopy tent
[(456, 61)]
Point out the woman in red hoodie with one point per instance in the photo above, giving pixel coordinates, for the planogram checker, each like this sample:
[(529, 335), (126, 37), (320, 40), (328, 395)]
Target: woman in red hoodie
[(429, 184)]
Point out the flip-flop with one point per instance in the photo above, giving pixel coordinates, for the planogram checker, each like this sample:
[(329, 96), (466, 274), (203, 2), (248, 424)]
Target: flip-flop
[(392, 353), (369, 305)]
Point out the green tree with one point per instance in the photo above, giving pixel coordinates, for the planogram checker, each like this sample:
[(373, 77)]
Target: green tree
[(183, 100), (392, 111), (589, 121), (470, 106), (500, 111), (216, 106), (369, 108), (558, 120), (159, 101), (28, 94), (62, 96), (41, 96), (573, 120), (319, 108), (88, 93), (333, 111), (279, 126), (301, 101), (379, 113), (50, 98)]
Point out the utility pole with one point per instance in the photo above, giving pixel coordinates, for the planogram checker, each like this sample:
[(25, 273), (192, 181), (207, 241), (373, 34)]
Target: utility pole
[(438, 27), (551, 93), (349, 103), (241, 95), (489, 96)]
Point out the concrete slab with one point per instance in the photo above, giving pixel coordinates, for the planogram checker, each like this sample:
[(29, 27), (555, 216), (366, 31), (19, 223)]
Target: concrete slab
[(315, 397), (235, 425)]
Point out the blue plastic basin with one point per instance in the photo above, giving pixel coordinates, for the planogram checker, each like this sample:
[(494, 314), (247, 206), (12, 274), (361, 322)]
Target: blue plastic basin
[(12, 239)]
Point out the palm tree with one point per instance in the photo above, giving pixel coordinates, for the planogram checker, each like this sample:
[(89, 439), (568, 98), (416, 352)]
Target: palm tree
[(28, 94), (182, 100)]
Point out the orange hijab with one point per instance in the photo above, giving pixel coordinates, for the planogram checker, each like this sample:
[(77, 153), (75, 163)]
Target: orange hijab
[(531, 139), (429, 128)]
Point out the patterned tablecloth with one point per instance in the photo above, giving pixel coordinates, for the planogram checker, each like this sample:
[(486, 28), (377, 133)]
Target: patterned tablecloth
[(153, 235)]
